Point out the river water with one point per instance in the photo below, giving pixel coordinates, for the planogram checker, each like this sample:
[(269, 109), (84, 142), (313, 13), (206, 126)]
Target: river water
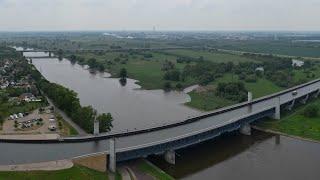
[(131, 107), (261, 156), (234, 156)]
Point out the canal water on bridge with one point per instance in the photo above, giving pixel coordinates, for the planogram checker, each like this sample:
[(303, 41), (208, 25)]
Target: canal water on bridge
[(261, 156), (132, 109)]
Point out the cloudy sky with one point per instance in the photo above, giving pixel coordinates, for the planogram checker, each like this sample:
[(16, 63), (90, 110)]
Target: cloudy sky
[(27, 15)]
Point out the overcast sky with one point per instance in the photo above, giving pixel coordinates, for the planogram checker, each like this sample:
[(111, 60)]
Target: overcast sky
[(26, 15)]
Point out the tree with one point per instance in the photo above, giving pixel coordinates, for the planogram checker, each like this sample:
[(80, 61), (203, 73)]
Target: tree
[(73, 58), (105, 122), (123, 73), (167, 86), (173, 75), (101, 67), (1, 118), (311, 111), (92, 62), (167, 65), (234, 91), (60, 54), (179, 86)]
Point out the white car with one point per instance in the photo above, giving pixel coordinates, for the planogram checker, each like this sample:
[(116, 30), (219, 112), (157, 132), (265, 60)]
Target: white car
[(294, 93), (52, 128)]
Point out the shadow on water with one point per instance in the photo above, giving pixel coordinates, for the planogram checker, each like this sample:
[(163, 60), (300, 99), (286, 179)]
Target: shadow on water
[(210, 153)]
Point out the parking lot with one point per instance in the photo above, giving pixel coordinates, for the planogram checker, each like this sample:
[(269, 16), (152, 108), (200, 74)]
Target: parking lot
[(33, 123)]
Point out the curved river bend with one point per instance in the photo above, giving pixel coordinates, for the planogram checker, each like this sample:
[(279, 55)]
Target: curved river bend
[(131, 107)]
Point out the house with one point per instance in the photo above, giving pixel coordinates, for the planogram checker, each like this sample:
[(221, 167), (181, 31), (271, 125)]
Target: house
[(27, 97)]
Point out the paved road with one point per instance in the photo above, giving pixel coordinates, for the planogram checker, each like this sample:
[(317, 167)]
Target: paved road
[(68, 119)]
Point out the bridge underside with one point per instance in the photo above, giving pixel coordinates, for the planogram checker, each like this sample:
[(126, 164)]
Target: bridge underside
[(188, 141), (208, 135)]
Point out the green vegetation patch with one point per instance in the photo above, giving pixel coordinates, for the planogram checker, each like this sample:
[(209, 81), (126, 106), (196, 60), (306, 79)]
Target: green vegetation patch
[(154, 171), (213, 56), (207, 101), (297, 123), (74, 173)]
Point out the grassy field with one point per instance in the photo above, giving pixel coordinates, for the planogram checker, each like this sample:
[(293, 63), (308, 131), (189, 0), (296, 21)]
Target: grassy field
[(148, 70), (296, 124), (217, 57), (208, 100), (282, 47), (154, 171), (74, 173)]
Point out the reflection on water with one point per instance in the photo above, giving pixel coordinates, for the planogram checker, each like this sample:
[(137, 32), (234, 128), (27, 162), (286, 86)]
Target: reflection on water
[(234, 156), (131, 108)]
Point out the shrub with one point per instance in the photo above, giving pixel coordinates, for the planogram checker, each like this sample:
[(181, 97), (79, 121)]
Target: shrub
[(251, 78), (179, 86), (311, 111), (167, 86)]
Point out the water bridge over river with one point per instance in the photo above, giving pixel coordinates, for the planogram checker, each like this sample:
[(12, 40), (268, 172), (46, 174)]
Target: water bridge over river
[(159, 140)]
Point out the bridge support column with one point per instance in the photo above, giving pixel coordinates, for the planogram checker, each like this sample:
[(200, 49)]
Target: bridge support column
[(170, 156), (290, 106), (49, 53), (112, 161), (277, 114), (304, 100), (249, 100), (96, 127), (245, 129)]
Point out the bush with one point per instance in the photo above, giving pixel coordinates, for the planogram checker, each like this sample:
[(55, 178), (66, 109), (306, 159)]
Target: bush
[(167, 86), (178, 86), (173, 75), (251, 78), (60, 125), (311, 111)]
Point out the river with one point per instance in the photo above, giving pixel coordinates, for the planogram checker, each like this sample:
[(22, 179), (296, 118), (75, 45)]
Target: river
[(261, 156), (131, 107)]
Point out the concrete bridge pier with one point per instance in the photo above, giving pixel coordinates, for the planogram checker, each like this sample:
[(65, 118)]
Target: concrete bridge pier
[(249, 100), (112, 160), (170, 156), (245, 129), (304, 100), (277, 113), (96, 127)]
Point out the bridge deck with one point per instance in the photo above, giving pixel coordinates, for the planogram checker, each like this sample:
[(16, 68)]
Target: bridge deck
[(15, 153)]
